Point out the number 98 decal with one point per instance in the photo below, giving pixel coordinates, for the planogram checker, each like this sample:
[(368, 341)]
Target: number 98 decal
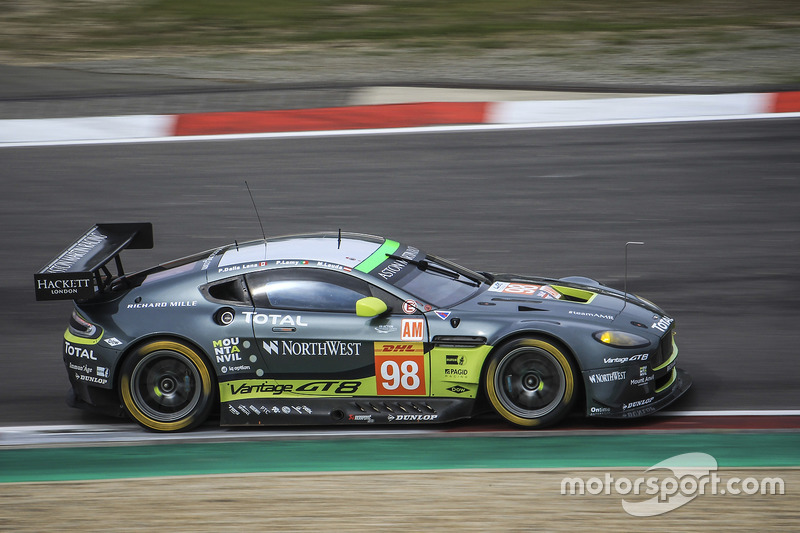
[(400, 375)]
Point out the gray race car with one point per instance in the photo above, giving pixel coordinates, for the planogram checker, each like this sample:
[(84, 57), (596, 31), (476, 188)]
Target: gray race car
[(342, 328)]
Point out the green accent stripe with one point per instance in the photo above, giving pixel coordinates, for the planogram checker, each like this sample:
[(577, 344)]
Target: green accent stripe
[(516, 450), (586, 296), (378, 256), (672, 378), (68, 335), (671, 359)]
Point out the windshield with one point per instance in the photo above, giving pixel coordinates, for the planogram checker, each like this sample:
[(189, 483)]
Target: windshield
[(430, 278)]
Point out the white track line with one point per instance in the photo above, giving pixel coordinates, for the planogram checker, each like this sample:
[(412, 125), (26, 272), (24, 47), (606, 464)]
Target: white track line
[(398, 131)]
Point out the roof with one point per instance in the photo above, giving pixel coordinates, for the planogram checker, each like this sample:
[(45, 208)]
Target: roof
[(350, 251)]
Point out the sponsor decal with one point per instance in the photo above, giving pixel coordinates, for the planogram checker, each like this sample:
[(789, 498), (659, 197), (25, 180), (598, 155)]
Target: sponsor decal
[(458, 389), (548, 292), (102, 371), (227, 350), (385, 328), (361, 418), (388, 348), (526, 289), (207, 260), (638, 403), (312, 348), (77, 252), (112, 341), (454, 359), (409, 307), (342, 387), (456, 372), (591, 315), (663, 324), (411, 418), (77, 351), (412, 329), (260, 388), (255, 389), (239, 368), (91, 379), (643, 381), (398, 265), (620, 360), (86, 369), (514, 288), (62, 286), (161, 305), (607, 377), (444, 315), (636, 413), (600, 410), (286, 410), (261, 319), (233, 410)]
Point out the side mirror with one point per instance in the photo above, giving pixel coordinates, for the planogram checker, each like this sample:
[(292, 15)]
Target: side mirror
[(370, 306)]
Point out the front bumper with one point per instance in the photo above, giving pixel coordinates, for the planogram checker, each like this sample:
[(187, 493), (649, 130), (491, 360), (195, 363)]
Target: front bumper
[(651, 404)]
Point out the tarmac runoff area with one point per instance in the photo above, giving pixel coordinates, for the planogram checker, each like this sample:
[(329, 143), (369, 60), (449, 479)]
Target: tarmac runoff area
[(398, 108)]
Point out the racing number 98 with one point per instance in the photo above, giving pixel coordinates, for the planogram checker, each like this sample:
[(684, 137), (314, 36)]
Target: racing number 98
[(401, 376), (404, 374)]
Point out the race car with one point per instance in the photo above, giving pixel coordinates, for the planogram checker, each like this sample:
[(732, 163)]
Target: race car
[(345, 328)]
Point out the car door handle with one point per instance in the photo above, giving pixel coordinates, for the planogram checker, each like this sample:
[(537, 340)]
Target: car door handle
[(284, 330)]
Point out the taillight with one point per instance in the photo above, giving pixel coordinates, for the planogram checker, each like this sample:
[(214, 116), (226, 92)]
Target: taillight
[(79, 327)]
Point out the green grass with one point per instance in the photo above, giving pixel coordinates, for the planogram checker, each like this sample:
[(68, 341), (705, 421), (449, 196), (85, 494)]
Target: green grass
[(53, 26)]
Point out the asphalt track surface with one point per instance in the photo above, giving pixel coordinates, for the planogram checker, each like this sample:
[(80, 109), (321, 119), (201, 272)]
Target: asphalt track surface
[(717, 204)]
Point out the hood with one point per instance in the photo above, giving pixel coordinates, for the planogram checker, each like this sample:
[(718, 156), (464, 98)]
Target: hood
[(579, 299)]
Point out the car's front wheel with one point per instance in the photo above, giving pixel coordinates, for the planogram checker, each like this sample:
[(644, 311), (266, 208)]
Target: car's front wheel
[(531, 382), (166, 385)]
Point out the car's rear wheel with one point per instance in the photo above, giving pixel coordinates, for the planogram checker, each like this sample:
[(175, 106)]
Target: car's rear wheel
[(166, 385), (531, 382)]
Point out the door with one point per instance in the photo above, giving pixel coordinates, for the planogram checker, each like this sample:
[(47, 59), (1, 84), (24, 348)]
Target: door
[(312, 340)]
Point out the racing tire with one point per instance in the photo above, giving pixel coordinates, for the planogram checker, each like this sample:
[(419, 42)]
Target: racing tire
[(531, 382), (167, 386)]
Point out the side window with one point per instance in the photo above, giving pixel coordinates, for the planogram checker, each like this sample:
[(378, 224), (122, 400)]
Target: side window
[(307, 289), (230, 291)]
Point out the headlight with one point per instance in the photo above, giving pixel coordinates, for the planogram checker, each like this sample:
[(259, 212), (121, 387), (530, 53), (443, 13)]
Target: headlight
[(620, 339)]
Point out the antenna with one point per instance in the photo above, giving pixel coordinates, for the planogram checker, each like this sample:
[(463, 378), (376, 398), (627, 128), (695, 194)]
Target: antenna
[(256, 210), (625, 286), (339, 244)]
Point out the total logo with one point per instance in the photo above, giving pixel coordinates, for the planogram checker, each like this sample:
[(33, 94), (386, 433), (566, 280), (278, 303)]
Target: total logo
[(663, 324), (276, 320), (77, 351)]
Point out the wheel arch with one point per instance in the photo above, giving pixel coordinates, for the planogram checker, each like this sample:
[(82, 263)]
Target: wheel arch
[(154, 337), (211, 403), (524, 334), (545, 335)]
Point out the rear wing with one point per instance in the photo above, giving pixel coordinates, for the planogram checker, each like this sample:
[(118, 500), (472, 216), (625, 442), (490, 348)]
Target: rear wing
[(82, 269)]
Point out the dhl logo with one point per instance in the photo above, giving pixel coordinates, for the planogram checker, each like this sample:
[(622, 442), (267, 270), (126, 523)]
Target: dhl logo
[(387, 348)]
